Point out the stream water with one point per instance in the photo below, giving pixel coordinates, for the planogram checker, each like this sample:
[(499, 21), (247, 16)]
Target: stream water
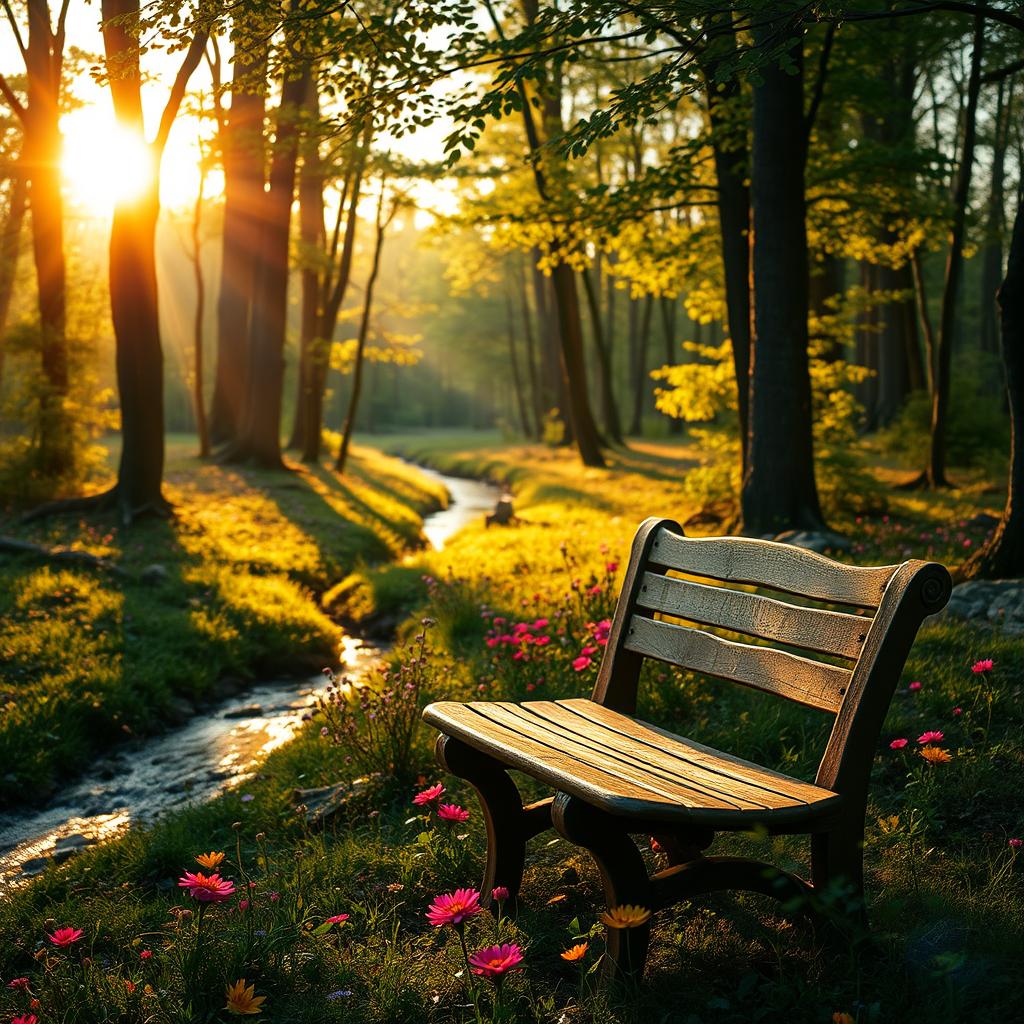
[(220, 748)]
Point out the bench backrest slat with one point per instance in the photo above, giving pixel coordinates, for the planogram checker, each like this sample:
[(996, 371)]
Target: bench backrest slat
[(765, 563), (812, 683), (813, 629)]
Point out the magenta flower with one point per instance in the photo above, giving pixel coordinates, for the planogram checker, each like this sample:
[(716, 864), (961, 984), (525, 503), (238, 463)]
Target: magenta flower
[(914, 687), (454, 908), (65, 937), (146, 954), (337, 919), (28, 1018), (452, 812), (499, 894), (1015, 843), (207, 888), (19, 984), (957, 712), (495, 962), (898, 744), (581, 663), (985, 665), (932, 736)]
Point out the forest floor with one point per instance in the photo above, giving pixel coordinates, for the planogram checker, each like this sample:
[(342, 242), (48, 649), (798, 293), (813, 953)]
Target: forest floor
[(946, 888)]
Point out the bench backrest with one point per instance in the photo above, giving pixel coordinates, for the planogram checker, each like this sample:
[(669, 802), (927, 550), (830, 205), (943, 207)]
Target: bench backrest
[(868, 636)]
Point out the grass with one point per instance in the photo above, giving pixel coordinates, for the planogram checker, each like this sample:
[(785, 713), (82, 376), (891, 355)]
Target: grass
[(946, 889), (90, 658)]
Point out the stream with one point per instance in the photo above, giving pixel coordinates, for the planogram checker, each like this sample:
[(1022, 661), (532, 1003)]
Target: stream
[(219, 748)]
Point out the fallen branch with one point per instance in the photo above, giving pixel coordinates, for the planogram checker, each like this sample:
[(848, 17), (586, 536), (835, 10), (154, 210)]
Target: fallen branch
[(61, 555)]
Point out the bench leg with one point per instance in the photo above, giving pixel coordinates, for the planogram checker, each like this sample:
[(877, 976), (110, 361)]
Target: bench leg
[(623, 874), (837, 859), (509, 823)]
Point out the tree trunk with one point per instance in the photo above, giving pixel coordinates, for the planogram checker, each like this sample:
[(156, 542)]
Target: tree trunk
[(609, 408), (669, 311), (42, 151), (517, 381), (10, 250), (260, 438), (636, 425), (243, 149), (1003, 555), (536, 400), (198, 401), (779, 490), (364, 329), (992, 258), (935, 474)]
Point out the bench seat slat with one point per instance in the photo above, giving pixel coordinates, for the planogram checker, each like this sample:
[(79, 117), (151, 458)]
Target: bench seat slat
[(814, 629), (629, 767), (765, 563), (812, 683)]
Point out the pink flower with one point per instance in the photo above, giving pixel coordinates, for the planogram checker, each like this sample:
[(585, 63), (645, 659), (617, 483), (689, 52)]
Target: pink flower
[(428, 795), (957, 712), (499, 894), (207, 888), (581, 663), (1015, 843), (274, 897), (985, 665), (337, 919), (243, 905), (913, 687), (28, 1018), (19, 984), (65, 937), (495, 962), (898, 744), (932, 736), (454, 908), (146, 954), (540, 623), (452, 812), (612, 567)]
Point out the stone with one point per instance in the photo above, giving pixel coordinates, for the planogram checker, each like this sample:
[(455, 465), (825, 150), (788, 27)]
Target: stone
[(155, 574), (249, 711), (999, 602), (814, 540), (68, 846)]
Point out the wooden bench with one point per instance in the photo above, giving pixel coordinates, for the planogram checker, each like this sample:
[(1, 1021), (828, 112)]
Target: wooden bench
[(616, 776)]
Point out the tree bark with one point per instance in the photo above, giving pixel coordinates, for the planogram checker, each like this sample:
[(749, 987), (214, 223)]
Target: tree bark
[(10, 250), (643, 335), (935, 473), (995, 227), (1003, 554), (536, 400), (669, 312), (198, 401), (517, 380), (609, 407), (364, 329), (243, 148), (779, 489)]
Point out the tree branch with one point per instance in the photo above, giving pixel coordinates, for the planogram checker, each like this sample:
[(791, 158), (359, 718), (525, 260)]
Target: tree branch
[(13, 102), (1000, 73), (819, 85), (15, 29), (192, 58)]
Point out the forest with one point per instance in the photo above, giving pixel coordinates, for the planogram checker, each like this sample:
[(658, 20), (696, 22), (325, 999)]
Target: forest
[(344, 347)]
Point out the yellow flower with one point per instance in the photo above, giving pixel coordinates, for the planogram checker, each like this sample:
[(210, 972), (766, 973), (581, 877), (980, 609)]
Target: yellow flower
[(242, 999), (575, 953), (936, 755), (626, 916), (209, 860)]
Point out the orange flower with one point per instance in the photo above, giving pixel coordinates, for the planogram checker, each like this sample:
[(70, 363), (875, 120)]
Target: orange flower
[(626, 916), (242, 999), (842, 1018), (577, 952), (209, 860), (935, 755)]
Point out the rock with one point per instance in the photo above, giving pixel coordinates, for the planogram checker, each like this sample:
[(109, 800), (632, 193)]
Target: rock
[(249, 711), (814, 540), (68, 846), (1000, 602), (34, 866), (179, 711), (983, 520), (155, 574)]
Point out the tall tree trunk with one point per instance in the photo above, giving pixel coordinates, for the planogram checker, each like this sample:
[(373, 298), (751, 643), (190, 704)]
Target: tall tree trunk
[(536, 398), (935, 473), (42, 153), (517, 380), (669, 316), (995, 220), (732, 171), (10, 250), (1003, 555), (260, 438), (779, 490), (133, 283), (609, 408), (243, 148), (364, 329), (636, 425), (198, 402)]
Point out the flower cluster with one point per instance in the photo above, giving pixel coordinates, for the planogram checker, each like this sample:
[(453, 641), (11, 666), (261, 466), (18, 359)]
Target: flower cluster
[(597, 633)]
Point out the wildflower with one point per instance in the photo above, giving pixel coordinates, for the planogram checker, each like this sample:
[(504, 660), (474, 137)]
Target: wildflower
[(581, 663), (274, 897), (935, 755), (626, 916), (209, 860), (207, 888), (842, 1018), (499, 894), (21, 984), (337, 919), (340, 994), (1014, 844), (611, 568), (242, 999), (898, 744), (146, 954), (454, 908), (245, 799), (931, 736), (65, 937), (957, 712), (574, 953), (985, 665), (130, 985), (452, 812), (28, 1018), (914, 687), (243, 905), (495, 962)]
